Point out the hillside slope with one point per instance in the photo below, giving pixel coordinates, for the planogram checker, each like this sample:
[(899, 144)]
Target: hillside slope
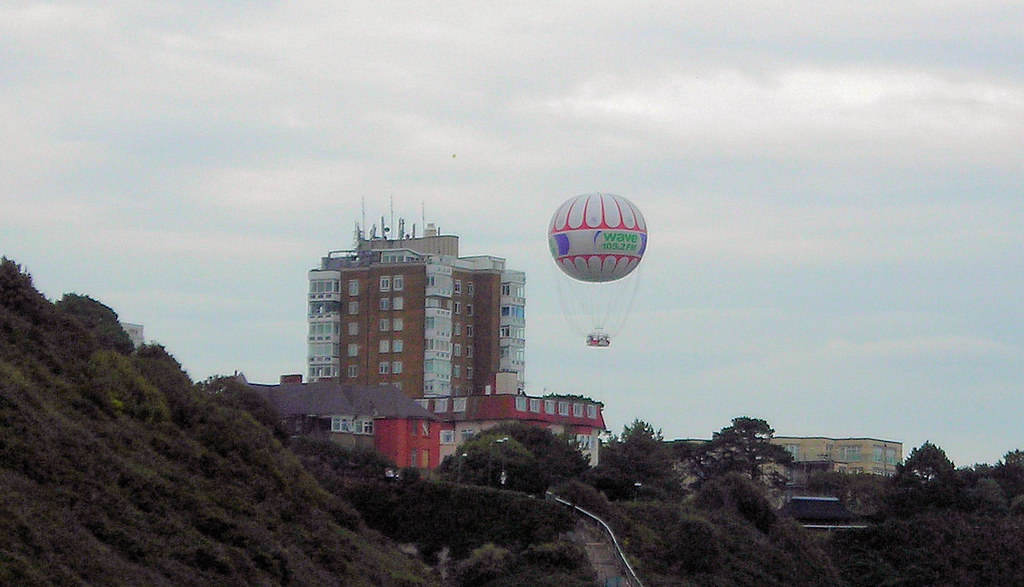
[(114, 467)]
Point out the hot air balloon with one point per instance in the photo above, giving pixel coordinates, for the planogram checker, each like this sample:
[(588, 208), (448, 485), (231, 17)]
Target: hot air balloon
[(597, 241)]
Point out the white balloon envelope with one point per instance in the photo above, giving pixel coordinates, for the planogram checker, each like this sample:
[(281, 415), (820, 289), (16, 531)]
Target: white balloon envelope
[(597, 237)]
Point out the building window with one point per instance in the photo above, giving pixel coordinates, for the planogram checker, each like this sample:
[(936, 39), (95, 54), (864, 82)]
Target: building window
[(469, 330), (353, 287), (385, 283), (385, 324), (563, 408), (585, 441), (398, 303), (535, 405), (458, 287), (384, 346), (469, 351), (441, 405), (457, 349), (398, 283), (549, 406), (353, 371), (425, 428), (397, 324), (513, 311), (353, 308), (469, 372), (385, 304), (794, 451), (468, 434), (878, 454), (456, 371), (353, 350), (469, 309), (505, 331), (384, 367), (457, 308), (470, 288), (396, 367), (459, 405), (396, 345), (520, 403), (890, 456), (577, 410), (849, 453), (341, 424), (458, 328), (447, 437), (592, 411), (353, 328), (367, 427)]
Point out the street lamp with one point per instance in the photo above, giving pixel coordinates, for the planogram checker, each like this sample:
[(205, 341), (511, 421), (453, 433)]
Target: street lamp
[(504, 476), (458, 478)]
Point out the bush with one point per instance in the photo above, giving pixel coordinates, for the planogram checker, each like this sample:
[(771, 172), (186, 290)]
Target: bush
[(1017, 505), (436, 515), (484, 564), (736, 492)]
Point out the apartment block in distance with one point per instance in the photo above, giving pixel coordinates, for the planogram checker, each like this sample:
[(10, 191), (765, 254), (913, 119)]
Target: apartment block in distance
[(411, 313), (812, 454)]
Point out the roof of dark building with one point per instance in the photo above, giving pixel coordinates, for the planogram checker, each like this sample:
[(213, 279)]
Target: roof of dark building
[(331, 398), (819, 509)]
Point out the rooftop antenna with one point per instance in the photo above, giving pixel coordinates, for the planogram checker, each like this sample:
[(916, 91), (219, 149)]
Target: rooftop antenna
[(423, 215), (392, 224), (362, 203)]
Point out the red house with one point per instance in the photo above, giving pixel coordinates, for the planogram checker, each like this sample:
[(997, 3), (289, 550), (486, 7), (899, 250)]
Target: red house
[(378, 416)]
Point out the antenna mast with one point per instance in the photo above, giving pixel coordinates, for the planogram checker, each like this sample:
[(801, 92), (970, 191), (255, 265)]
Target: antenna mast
[(362, 203)]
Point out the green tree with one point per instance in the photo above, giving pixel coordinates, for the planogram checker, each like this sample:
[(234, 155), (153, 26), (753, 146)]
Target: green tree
[(863, 494), (495, 459), (636, 464), (927, 480), (1009, 473), (531, 457), (98, 319), (744, 447)]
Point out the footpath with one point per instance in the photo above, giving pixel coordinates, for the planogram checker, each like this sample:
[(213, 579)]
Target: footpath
[(600, 552)]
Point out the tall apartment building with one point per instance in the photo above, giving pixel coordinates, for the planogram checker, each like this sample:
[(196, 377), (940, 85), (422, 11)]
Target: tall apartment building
[(412, 313)]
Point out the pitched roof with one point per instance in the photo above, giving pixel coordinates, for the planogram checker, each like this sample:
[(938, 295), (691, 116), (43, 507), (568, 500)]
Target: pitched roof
[(331, 398)]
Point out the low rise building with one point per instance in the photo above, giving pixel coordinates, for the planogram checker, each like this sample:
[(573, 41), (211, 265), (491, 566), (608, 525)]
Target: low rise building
[(465, 417), (381, 417), (421, 433), (813, 454)]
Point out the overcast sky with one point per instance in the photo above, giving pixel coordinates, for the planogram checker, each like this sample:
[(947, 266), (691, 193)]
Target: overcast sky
[(833, 190)]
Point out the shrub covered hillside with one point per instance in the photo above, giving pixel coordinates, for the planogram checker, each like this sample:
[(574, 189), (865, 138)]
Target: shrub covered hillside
[(115, 468)]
